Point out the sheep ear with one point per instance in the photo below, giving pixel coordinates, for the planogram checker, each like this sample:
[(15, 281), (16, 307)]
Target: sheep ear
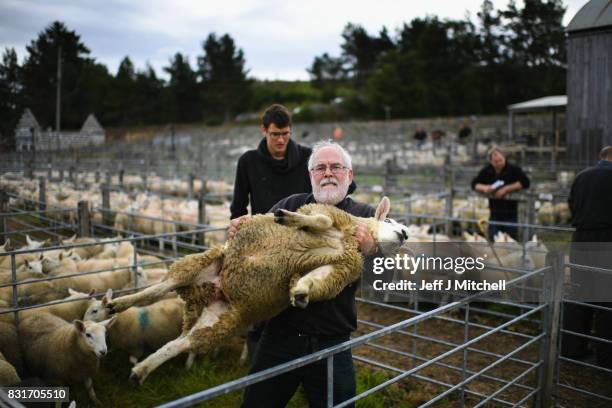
[(72, 292), (92, 291), (27, 263), (79, 325), (382, 210), (41, 257), (109, 322), (108, 296), (61, 256), (45, 243), (28, 240)]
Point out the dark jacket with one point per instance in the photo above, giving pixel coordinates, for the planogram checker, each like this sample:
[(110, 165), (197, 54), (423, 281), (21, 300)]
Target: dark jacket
[(502, 209), (266, 180), (334, 317), (590, 200)]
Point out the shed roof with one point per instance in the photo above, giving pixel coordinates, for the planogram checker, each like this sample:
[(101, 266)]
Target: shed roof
[(547, 102), (28, 120), (91, 124), (594, 15)]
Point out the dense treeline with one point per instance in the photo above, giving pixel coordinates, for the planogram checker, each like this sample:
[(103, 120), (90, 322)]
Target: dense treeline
[(426, 67)]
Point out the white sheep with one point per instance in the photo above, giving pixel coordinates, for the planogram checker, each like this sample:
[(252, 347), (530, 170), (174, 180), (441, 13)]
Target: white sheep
[(61, 352), (140, 330), (68, 311)]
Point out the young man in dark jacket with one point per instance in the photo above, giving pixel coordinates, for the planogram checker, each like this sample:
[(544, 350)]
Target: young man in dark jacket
[(497, 179), (297, 332), (275, 170)]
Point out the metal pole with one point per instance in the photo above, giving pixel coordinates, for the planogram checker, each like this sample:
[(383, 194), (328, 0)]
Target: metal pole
[(554, 284), (84, 220), (449, 201), (58, 96)]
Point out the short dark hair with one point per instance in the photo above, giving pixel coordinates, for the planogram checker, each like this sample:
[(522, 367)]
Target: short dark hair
[(606, 153), (277, 114)]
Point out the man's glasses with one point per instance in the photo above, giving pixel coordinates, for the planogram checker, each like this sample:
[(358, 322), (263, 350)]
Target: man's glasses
[(276, 135), (335, 169)]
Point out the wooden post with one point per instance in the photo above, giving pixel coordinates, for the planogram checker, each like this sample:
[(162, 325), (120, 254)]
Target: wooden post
[(3, 208), (84, 220), (191, 181), (553, 292), (407, 209), (449, 201), (107, 178), (106, 215), (42, 194), (97, 175), (202, 211), (121, 171)]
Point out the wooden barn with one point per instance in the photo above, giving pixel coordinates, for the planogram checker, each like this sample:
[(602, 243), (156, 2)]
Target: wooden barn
[(589, 82)]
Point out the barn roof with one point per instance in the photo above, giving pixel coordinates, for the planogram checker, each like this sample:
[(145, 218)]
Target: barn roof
[(547, 102), (594, 15), (28, 120), (91, 125)]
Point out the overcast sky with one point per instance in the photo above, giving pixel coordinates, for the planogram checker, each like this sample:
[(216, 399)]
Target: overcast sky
[(280, 38)]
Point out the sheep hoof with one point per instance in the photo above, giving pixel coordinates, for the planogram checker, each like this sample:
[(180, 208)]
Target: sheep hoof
[(300, 300), (135, 378)]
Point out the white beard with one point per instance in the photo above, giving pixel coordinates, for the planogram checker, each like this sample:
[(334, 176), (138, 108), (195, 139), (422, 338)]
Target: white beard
[(329, 195)]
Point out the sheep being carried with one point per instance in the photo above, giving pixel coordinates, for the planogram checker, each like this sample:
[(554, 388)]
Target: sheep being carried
[(273, 261)]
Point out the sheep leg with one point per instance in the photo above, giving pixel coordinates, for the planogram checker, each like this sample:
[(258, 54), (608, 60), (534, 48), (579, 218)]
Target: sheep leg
[(322, 283), (190, 360), (91, 392), (217, 321), (316, 222), (144, 297)]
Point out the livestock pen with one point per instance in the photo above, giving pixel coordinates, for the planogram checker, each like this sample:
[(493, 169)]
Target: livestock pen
[(450, 341)]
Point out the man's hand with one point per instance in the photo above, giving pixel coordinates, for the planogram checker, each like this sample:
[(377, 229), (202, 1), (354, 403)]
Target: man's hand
[(235, 224), (483, 188), (367, 245), (501, 193)]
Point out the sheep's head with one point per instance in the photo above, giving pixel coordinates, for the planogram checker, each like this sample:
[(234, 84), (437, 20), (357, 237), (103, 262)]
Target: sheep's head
[(33, 266), (388, 233), (93, 334), (97, 311)]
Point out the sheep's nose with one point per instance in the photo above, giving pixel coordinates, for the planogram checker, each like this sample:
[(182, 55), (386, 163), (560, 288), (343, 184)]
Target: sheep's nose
[(102, 352), (401, 236)]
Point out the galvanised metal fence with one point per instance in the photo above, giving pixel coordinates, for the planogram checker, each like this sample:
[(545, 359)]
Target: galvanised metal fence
[(545, 315)]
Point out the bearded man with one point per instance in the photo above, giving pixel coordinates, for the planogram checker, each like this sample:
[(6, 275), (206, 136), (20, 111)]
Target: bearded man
[(296, 332)]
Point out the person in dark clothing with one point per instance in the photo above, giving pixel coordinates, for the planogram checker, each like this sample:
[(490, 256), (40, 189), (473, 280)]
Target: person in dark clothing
[(420, 135), (464, 131), (297, 332), (590, 201), (497, 179), (273, 171)]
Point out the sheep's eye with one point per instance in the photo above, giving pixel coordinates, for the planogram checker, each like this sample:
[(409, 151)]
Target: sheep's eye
[(387, 220), (94, 311), (88, 335)]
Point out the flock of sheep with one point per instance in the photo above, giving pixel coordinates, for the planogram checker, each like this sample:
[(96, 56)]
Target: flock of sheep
[(63, 342)]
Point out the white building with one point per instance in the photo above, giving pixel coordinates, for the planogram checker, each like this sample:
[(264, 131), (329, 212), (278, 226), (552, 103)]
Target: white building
[(29, 136)]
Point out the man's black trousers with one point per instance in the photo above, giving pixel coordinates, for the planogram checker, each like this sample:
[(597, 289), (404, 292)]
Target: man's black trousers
[(277, 347)]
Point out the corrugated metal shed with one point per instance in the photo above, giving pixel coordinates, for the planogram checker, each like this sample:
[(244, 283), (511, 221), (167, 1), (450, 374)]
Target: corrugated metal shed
[(596, 14)]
